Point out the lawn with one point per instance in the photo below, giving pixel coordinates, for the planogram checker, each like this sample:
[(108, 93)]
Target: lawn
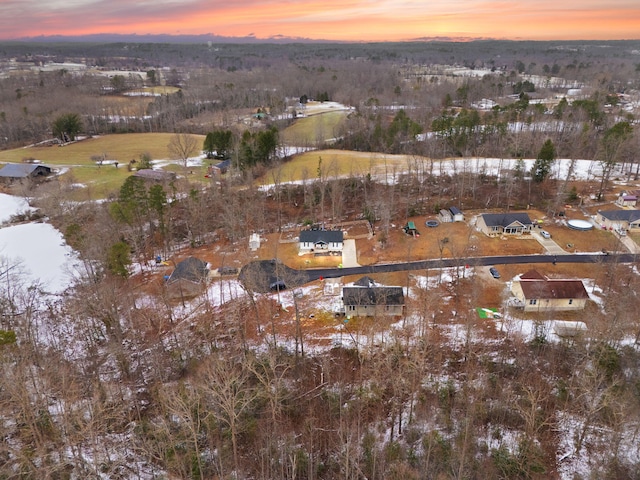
[(105, 179), (313, 129), (121, 148), (335, 163)]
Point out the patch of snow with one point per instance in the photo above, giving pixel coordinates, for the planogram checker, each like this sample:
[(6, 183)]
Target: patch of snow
[(11, 205), (42, 253)]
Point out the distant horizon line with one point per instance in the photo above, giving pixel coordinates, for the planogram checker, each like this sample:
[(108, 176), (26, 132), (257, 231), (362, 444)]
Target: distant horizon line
[(210, 37)]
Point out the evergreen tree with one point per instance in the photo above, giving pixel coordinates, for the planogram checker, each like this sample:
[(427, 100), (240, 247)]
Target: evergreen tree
[(544, 161)]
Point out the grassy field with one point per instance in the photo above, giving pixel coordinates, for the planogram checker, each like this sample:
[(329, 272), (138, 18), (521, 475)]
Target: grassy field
[(100, 180), (122, 148), (313, 129), (334, 163)]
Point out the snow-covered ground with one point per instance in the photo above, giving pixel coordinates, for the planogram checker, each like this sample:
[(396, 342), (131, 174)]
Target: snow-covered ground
[(38, 249), (10, 205)]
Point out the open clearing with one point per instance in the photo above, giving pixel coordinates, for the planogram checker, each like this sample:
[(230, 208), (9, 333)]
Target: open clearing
[(314, 129), (121, 148), (335, 163)]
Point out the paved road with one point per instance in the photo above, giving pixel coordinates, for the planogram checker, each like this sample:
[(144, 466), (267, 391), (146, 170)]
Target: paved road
[(261, 274)]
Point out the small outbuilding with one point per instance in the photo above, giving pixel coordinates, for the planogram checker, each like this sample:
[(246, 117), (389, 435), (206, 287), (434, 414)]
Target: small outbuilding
[(21, 171), (445, 216), (254, 242), (456, 214)]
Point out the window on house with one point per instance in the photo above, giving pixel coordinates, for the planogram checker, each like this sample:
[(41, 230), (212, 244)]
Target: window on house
[(352, 308), (570, 301), (533, 302)]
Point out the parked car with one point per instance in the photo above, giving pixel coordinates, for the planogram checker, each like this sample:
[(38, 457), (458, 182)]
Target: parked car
[(494, 272), (545, 234)]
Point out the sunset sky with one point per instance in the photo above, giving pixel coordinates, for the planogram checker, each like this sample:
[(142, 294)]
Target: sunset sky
[(350, 20)]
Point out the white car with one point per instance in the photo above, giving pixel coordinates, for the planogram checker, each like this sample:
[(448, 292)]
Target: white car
[(545, 234)]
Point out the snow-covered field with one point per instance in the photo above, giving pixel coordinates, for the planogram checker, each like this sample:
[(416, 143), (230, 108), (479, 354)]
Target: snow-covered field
[(38, 249)]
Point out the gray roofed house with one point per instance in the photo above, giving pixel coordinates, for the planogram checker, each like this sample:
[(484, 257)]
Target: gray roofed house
[(189, 278), (320, 240), (504, 223), (619, 219), (617, 215), (220, 168), (18, 171), (371, 301)]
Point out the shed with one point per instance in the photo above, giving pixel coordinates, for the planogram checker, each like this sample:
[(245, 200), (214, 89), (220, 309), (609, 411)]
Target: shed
[(254, 242), (19, 171), (445, 216), (457, 214)]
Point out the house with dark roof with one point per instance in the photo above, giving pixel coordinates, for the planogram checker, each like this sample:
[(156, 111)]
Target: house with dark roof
[(493, 224), (371, 300), (619, 219), (321, 241), (220, 168), (537, 292), (188, 279), (20, 171)]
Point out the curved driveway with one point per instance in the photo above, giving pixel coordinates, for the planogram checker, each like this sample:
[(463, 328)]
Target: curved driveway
[(301, 277)]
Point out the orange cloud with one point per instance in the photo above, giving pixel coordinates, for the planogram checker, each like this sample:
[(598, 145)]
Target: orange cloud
[(354, 20)]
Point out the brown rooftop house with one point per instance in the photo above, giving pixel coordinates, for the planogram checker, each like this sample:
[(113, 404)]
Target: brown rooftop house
[(493, 224), (158, 176), (321, 241), (188, 279), (21, 171), (371, 300), (540, 293)]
